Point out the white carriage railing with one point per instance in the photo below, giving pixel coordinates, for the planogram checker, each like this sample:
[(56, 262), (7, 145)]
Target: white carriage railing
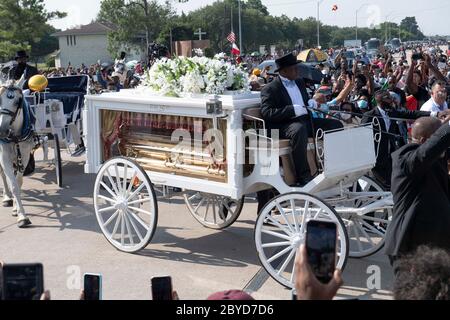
[(52, 112), (345, 150)]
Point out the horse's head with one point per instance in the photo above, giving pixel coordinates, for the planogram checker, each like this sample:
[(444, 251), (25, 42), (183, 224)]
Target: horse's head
[(11, 98)]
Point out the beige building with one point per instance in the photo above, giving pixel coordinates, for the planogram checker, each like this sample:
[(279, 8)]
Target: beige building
[(87, 44)]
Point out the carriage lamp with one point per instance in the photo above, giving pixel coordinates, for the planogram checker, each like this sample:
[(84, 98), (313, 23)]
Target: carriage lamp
[(214, 106)]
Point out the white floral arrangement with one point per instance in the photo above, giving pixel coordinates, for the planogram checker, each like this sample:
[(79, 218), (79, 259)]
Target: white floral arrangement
[(181, 76), (198, 52)]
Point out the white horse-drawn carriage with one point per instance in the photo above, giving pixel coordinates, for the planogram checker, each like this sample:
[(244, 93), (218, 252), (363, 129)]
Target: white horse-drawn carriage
[(32, 120), (210, 152), (57, 113)]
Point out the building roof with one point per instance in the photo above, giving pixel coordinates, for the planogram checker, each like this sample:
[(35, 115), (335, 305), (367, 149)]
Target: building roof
[(88, 29)]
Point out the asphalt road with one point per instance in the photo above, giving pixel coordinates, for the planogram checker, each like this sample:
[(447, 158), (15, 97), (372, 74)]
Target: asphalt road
[(65, 237)]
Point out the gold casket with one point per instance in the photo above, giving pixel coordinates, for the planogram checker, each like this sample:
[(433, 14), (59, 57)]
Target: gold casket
[(176, 145)]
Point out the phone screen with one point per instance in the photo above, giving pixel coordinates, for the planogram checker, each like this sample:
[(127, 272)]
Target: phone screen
[(92, 287), (23, 281), (162, 288), (321, 249)]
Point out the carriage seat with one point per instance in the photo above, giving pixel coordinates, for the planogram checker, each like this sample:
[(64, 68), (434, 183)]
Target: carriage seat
[(284, 146), (70, 91), (254, 114)]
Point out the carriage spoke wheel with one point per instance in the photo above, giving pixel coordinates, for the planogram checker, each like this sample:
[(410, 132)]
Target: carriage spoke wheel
[(125, 204), (213, 211), (367, 232), (281, 229)]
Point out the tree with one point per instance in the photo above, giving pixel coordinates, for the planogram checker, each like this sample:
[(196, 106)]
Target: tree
[(24, 26), (47, 43), (256, 5), (134, 20), (410, 25)]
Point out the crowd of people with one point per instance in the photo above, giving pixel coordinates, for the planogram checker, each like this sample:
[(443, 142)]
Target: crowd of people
[(407, 104), (406, 101), (103, 76)]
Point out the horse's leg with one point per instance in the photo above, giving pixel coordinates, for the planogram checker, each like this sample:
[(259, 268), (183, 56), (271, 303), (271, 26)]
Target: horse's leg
[(7, 196), (25, 149), (7, 164)]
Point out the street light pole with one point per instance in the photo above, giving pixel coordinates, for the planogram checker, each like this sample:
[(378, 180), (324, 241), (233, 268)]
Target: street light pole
[(386, 26), (240, 27), (318, 22), (357, 11)]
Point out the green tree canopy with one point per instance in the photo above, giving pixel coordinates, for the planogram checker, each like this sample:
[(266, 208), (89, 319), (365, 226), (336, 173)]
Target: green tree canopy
[(24, 26), (137, 22), (258, 26)]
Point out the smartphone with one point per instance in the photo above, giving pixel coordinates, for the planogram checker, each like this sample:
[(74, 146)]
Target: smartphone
[(321, 238), (23, 281), (162, 288), (92, 286), (417, 56)]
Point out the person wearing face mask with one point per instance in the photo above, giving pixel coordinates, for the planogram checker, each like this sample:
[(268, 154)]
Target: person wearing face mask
[(349, 114), (391, 134), (321, 102), (363, 104), (420, 187), (23, 68)]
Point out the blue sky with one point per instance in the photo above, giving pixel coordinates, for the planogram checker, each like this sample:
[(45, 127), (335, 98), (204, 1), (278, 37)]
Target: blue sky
[(432, 15)]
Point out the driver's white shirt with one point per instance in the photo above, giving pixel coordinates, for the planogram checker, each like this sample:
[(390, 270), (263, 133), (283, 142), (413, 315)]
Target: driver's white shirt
[(296, 97)]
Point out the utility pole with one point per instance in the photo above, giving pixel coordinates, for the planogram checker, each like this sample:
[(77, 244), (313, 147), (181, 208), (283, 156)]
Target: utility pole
[(171, 43), (240, 27), (387, 25), (318, 22), (357, 11)]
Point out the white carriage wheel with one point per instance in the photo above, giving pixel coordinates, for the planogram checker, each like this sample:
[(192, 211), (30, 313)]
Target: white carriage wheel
[(366, 232), (281, 228), (213, 211), (125, 204)]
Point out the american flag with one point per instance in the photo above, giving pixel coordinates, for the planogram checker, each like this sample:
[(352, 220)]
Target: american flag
[(231, 37)]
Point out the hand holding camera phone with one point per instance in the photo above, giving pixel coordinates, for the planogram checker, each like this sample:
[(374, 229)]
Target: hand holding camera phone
[(92, 287), (417, 56), (23, 281), (321, 238), (162, 288)]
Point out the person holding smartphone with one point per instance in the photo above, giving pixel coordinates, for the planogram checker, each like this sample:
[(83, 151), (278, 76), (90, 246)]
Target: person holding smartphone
[(308, 286)]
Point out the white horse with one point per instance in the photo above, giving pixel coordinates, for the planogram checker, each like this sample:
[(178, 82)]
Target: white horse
[(15, 147)]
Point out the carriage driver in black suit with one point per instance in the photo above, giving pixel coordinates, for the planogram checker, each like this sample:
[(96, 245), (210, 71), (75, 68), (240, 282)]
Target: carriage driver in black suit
[(284, 108)]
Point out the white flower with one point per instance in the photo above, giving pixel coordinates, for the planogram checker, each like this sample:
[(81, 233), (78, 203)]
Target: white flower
[(195, 75)]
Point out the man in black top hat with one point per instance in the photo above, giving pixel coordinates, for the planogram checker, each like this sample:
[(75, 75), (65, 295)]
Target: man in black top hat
[(22, 68), (284, 107)]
